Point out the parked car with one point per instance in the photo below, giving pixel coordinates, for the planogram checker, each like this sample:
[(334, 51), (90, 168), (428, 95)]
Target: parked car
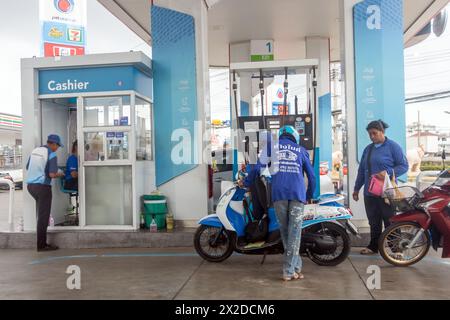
[(15, 176)]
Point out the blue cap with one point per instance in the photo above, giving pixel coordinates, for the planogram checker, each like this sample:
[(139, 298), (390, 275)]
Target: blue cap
[(55, 139)]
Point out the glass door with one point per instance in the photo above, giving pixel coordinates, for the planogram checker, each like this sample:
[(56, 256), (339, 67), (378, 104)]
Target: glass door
[(106, 159)]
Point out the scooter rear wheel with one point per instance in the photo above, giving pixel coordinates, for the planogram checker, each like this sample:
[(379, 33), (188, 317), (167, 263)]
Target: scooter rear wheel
[(395, 239), (213, 244), (343, 245)]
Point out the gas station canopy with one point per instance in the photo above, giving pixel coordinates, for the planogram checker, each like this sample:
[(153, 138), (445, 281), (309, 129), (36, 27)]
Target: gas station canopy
[(232, 21)]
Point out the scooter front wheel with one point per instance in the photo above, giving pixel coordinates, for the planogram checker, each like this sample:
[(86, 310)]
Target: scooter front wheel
[(395, 241), (213, 244)]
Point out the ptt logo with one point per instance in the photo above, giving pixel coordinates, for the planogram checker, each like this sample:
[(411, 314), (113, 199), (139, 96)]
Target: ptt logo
[(64, 6), (280, 94)]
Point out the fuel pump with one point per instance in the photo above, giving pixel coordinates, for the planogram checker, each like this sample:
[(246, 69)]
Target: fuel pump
[(252, 126)]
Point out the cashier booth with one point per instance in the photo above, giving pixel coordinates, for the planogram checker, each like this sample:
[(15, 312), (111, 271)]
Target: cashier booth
[(105, 103)]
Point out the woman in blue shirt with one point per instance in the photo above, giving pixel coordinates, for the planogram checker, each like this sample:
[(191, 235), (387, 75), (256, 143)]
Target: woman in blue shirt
[(71, 176), (382, 157)]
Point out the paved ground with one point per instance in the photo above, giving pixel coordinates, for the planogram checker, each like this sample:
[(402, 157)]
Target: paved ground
[(4, 205), (181, 274)]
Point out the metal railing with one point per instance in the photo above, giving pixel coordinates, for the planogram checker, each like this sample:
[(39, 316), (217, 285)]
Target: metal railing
[(11, 202)]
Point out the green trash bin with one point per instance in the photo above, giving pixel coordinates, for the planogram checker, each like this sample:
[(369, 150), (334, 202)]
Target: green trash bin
[(155, 206)]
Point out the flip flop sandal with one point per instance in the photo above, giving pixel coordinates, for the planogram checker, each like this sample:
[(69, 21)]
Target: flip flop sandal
[(299, 276)]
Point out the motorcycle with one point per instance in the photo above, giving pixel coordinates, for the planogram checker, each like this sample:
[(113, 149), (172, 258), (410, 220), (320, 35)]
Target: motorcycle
[(325, 231), (423, 220)]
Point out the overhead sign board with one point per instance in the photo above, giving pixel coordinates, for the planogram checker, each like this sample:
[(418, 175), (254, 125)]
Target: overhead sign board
[(262, 50), (63, 27)]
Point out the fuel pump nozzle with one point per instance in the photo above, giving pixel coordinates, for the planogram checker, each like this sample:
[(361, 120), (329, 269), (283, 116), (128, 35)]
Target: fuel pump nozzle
[(262, 92), (286, 92)]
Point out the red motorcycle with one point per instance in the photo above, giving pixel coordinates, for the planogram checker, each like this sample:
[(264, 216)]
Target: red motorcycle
[(423, 220)]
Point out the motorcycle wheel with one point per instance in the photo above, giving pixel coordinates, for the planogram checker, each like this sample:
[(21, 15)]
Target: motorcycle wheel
[(342, 241), (395, 239), (213, 252)]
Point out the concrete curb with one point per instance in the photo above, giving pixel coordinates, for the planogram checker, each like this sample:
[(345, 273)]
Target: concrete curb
[(100, 239), (123, 239)]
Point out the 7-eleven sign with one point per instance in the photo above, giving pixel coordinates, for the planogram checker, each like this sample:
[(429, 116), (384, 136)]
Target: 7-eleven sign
[(75, 35)]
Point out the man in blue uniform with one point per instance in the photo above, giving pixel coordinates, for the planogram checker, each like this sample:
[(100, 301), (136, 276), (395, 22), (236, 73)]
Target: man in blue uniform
[(42, 167)]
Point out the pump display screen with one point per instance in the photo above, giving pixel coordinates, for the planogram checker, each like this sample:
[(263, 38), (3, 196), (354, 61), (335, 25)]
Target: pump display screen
[(303, 123)]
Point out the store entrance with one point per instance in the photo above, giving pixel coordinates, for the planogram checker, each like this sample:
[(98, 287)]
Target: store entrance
[(107, 161), (59, 116), (113, 142)]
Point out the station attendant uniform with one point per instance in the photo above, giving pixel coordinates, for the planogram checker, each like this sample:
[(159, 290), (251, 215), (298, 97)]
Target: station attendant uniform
[(388, 157), (71, 166), (41, 163), (289, 194)]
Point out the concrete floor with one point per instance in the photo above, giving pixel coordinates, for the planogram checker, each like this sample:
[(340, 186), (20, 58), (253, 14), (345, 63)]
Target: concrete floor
[(179, 273)]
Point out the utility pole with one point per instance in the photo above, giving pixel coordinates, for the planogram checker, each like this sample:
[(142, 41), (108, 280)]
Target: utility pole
[(418, 129)]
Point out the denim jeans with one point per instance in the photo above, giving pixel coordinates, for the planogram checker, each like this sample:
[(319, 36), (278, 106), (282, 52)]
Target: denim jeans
[(290, 218)]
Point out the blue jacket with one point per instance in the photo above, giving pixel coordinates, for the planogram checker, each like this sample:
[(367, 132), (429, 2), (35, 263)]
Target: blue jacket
[(71, 165), (387, 157), (289, 164)]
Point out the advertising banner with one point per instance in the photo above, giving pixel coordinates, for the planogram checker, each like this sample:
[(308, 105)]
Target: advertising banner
[(379, 68), (63, 27), (175, 89)]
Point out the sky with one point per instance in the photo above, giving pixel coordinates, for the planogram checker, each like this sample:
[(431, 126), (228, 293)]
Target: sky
[(20, 31), (427, 71)]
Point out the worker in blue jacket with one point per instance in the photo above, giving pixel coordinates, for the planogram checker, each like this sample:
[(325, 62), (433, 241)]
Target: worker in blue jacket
[(382, 157), (290, 162)]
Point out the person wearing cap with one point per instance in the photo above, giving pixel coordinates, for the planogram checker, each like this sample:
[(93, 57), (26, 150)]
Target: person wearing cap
[(42, 167), (380, 158), (290, 194)]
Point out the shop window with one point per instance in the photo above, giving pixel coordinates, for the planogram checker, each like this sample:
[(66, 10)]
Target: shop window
[(143, 130), (94, 146), (116, 145), (107, 112)]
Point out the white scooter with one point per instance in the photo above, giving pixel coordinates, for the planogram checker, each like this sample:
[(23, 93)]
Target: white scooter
[(325, 231)]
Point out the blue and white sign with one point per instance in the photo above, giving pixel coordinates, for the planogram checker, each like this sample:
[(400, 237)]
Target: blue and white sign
[(63, 27), (379, 68), (62, 33), (124, 121), (96, 79), (175, 88)]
